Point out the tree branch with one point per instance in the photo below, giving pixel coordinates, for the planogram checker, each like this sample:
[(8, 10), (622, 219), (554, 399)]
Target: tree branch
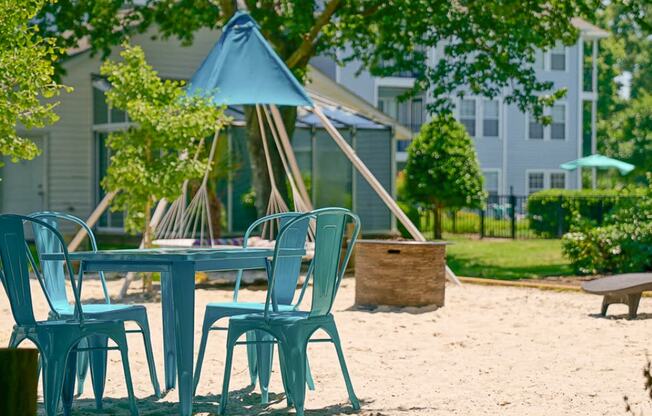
[(228, 9), (306, 46)]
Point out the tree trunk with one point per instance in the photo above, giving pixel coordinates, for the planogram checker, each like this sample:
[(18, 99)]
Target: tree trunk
[(437, 211), (260, 178)]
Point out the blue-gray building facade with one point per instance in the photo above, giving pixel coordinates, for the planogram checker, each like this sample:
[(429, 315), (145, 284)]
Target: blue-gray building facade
[(516, 153)]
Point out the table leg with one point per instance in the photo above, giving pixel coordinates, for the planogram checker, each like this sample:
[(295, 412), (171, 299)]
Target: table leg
[(183, 293), (169, 343)]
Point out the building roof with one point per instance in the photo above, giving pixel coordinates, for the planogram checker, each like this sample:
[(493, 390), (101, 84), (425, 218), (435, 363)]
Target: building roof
[(329, 94), (588, 30)]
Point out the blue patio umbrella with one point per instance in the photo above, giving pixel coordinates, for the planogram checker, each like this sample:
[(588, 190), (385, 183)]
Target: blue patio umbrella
[(599, 162), (242, 68)]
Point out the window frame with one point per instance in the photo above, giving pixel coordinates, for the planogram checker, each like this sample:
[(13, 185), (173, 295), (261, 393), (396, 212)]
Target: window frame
[(547, 130), (400, 106), (479, 115), (499, 174), (546, 57), (557, 172), (565, 54), (547, 173)]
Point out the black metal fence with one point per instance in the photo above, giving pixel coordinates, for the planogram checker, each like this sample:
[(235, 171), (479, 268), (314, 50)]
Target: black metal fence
[(506, 216)]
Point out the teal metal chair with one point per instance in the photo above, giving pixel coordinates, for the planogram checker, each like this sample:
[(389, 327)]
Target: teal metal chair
[(54, 282), (57, 340), (292, 330), (260, 355)]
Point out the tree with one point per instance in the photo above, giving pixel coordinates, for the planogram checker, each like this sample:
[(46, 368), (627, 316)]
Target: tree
[(155, 155), (487, 45), (624, 127), (26, 78), (442, 169), (629, 133)]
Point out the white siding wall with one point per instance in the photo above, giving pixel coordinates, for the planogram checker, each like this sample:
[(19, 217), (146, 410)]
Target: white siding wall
[(72, 153)]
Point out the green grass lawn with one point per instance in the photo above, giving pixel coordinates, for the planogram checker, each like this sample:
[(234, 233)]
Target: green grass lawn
[(506, 259)]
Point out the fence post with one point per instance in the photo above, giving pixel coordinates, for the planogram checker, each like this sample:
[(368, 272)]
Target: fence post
[(512, 213), (482, 223), (560, 217)]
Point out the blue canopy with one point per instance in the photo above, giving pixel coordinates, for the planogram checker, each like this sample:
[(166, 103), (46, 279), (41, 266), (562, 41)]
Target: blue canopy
[(600, 162), (242, 68)]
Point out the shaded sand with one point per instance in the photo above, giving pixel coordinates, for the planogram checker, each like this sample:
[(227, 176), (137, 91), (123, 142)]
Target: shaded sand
[(490, 351)]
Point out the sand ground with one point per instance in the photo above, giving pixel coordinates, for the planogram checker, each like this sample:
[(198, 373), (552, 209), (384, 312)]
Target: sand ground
[(489, 351)]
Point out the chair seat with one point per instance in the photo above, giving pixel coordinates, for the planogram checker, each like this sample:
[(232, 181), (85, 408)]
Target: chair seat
[(113, 309), (90, 325), (279, 318), (245, 306)]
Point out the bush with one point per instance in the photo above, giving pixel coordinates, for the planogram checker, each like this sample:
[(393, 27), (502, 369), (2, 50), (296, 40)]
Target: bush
[(623, 244), (616, 248), (553, 212)]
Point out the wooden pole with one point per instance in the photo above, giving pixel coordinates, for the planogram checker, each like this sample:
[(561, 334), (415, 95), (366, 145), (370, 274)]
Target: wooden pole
[(349, 152), (92, 220)]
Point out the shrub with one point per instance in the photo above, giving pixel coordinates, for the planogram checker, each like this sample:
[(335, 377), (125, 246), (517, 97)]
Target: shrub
[(442, 169), (553, 212), (615, 248), (623, 244)]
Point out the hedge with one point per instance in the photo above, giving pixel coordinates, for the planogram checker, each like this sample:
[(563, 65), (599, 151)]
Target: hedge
[(551, 212), (623, 244)]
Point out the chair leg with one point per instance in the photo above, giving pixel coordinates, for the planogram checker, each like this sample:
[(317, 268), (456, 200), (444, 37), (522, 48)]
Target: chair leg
[(68, 388), (82, 366), (252, 359), (633, 301), (15, 339), (144, 327), (284, 376), (265, 356), (295, 361), (54, 367), (309, 380), (206, 328), (121, 341), (230, 344), (98, 359), (331, 329), (605, 306)]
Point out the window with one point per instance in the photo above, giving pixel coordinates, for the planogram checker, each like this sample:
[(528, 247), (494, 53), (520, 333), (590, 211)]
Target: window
[(110, 219), (409, 112), (558, 180), (491, 183), (558, 126), (105, 120), (558, 58), (416, 114), (535, 182), (467, 115), (539, 60), (490, 118), (535, 129)]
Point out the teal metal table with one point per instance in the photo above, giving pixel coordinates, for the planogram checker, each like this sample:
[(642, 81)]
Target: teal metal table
[(177, 268)]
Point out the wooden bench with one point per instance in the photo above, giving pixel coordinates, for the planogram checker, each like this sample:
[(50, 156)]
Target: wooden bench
[(622, 288)]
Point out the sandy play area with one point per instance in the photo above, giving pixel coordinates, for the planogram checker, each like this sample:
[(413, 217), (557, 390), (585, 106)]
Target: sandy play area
[(490, 351)]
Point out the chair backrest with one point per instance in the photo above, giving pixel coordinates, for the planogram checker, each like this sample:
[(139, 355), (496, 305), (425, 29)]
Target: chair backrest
[(53, 271), (328, 264), (288, 266), (15, 256)]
